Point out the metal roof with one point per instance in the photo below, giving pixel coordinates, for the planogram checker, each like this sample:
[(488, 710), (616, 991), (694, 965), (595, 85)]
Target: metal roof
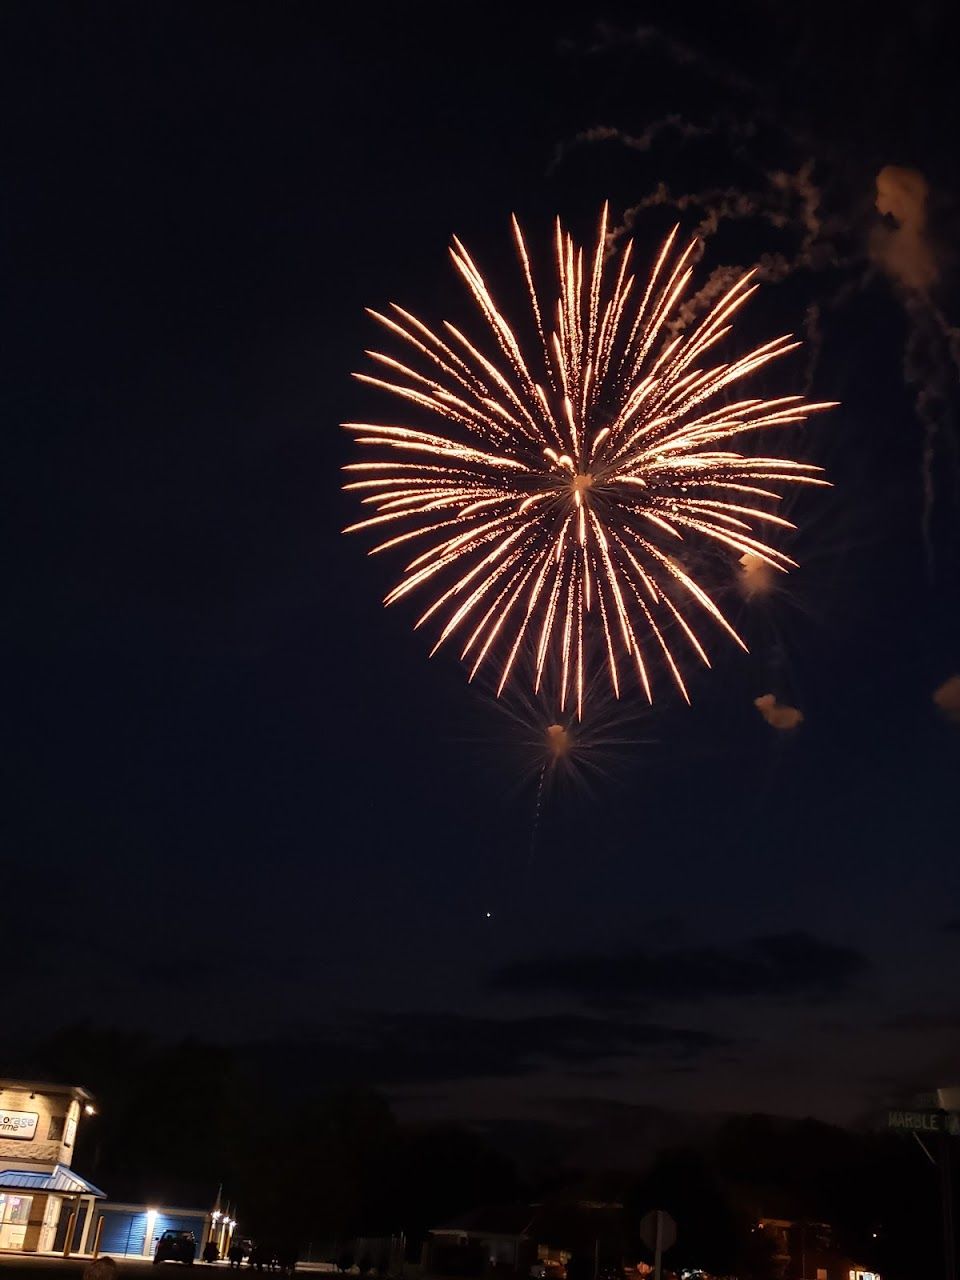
[(45, 1086), (60, 1179)]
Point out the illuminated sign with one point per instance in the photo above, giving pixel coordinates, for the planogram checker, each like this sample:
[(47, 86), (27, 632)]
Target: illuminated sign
[(21, 1125)]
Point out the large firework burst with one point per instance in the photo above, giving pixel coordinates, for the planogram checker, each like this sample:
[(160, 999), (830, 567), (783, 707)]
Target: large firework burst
[(544, 508)]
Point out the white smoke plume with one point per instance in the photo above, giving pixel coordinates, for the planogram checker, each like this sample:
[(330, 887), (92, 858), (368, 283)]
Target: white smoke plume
[(902, 249), (905, 252), (670, 48), (634, 141)]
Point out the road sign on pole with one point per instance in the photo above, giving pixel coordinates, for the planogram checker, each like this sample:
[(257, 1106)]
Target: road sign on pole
[(658, 1231), (945, 1124), (925, 1121)]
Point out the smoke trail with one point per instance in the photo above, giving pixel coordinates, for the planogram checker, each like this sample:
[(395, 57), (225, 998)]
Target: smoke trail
[(904, 251), (900, 248)]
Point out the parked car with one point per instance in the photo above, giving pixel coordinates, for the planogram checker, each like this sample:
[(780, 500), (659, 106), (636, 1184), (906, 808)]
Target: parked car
[(176, 1246)]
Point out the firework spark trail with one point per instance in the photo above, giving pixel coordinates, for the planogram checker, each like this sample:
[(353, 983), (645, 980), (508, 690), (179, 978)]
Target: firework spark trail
[(538, 809), (545, 505)]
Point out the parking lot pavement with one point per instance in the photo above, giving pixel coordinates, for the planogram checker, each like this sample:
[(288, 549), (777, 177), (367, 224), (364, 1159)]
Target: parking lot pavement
[(20, 1266)]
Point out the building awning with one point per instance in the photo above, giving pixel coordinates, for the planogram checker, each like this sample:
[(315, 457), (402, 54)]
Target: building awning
[(60, 1179)]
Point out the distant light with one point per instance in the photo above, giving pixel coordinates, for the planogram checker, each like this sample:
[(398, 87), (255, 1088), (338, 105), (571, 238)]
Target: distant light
[(90, 1109), (488, 915), (217, 1214)]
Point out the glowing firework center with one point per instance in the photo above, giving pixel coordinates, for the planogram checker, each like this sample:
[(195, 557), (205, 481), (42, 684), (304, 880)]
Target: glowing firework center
[(553, 508), (560, 741)]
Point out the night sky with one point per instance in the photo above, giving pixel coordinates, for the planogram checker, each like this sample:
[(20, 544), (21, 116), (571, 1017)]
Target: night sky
[(241, 803)]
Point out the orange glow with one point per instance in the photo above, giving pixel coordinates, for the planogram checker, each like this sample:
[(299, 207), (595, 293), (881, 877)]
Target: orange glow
[(778, 714), (541, 509), (757, 578), (947, 699), (559, 740)]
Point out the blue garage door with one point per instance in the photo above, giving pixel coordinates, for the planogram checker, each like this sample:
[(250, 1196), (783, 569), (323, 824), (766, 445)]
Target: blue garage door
[(123, 1232)]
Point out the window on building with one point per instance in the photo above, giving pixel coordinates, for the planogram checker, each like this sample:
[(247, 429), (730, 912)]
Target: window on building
[(55, 1131), (14, 1217), (821, 1273)]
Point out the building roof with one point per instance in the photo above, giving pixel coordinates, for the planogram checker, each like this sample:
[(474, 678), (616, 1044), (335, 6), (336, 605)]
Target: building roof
[(577, 1224), (142, 1207), (44, 1086), (563, 1222), (60, 1179), (489, 1220)]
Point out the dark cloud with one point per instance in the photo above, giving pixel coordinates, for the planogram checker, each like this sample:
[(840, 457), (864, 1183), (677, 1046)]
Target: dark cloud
[(586, 1107), (403, 1048), (779, 966), (163, 961), (943, 1021), (612, 1133), (592, 1073)]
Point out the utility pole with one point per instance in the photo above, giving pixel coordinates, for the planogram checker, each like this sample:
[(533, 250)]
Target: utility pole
[(803, 1251), (946, 1195), (932, 1116)]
